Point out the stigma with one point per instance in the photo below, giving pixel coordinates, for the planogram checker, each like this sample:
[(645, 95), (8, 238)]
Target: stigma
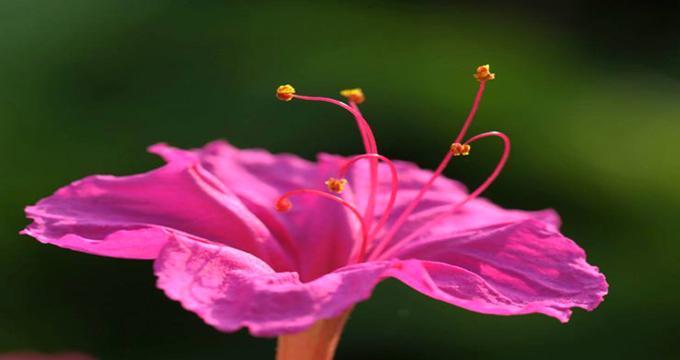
[(354, 95), (336, 185), (459, 149), (285, 92), (484, 73), (283, 204)]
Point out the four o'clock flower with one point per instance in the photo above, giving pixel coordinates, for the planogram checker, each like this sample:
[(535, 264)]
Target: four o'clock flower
[(286, 247)]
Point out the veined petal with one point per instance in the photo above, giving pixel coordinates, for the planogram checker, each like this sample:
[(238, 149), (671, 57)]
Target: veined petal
[(518, 268), (438, 201), (411, 180), (132, 216), (313, 226), (231, 289)]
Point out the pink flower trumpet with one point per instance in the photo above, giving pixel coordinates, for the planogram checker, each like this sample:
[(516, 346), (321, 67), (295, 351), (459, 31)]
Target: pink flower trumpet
[(286, 247)]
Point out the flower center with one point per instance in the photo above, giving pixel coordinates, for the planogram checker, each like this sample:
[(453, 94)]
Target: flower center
[(371, 246)]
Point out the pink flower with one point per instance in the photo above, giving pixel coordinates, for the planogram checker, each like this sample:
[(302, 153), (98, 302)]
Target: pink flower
[(246, 238)]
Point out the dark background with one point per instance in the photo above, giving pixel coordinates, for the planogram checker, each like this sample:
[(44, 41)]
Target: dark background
[(588, 92)]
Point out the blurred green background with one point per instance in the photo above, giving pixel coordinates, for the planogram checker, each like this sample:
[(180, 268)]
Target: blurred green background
[(588, 92)]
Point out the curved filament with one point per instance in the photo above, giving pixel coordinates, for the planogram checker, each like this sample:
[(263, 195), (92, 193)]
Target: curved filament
[(412, 205), (357, 214), (364, 129), (373, 145), (393, 193), (369, 145), (473, 195), (409, 209), (370, 206), (473, 111), (496, 171)]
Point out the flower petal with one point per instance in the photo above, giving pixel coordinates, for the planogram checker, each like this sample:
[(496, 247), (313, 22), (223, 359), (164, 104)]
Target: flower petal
[(411, 180), (437, 202), (259, 178), (230, 289), (132, 216), (518, 268)]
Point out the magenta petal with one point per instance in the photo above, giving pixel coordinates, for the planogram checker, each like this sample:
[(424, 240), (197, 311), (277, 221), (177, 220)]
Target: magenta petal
[(258, 178), (132, 216), (474, 216), (518, 268), (439, 199), (230, 289)]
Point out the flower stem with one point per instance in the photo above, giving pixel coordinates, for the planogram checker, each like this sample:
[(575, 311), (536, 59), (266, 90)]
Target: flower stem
[(316, 343)]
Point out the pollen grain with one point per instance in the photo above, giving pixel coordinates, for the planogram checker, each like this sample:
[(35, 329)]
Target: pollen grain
[(484, 73), (354, 95), (283, 205), (459, 149), (285, 92), (336, 185)]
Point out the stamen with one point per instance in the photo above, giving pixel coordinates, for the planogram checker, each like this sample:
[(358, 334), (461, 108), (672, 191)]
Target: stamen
[(393, 193), (366, 135), (459, 149), (497, 170), (456, 149), (473, 195), (370, 206), (285, 92), (484, 73), (354, 95), (412, 205), (284, 202), (371, 138), (336, 185), (283, 205)]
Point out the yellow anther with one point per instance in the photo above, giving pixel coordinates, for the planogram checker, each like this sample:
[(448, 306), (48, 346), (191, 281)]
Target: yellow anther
[(283, 205), (354, 95), (459, 149), (285, 92), (483, 73), (336, 185)]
